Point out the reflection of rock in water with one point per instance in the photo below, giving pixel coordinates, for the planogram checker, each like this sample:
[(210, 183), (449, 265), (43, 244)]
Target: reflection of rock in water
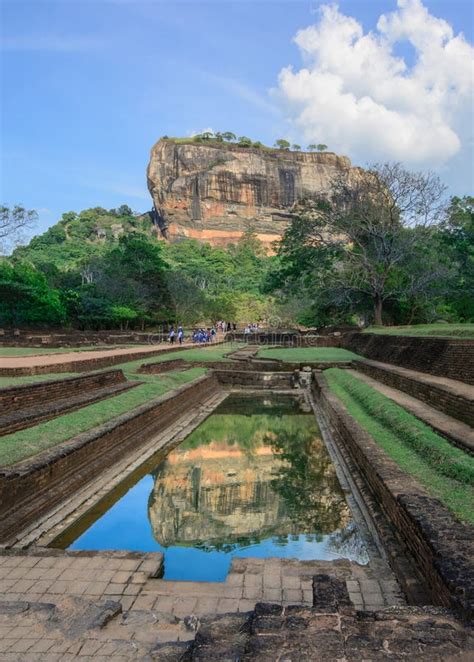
[(217, 494)]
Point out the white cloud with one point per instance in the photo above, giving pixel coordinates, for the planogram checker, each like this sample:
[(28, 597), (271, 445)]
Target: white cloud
[(356, 95)]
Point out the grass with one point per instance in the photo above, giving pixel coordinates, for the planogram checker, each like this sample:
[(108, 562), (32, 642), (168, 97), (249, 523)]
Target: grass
[(310, 354), (26, 443), (445, 471), (437, 330), (36, 351), (198, 354), (29, 379)]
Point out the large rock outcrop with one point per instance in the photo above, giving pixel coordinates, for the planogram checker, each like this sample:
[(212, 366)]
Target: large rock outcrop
[(215, 191)]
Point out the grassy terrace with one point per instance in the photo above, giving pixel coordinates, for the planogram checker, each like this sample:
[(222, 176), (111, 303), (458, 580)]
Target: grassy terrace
[(435, 330), (29, 442), (445, 471), (310, 354)]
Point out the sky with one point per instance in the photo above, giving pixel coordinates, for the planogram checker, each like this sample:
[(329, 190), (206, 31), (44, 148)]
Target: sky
[(88, 86)]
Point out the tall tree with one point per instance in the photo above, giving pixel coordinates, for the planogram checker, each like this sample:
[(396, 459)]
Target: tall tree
[(368, 227)]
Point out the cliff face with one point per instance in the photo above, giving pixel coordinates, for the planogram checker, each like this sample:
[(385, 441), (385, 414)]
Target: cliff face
[(214, 192)]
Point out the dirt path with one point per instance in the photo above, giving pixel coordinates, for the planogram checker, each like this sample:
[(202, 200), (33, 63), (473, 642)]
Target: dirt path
[(15, 366)]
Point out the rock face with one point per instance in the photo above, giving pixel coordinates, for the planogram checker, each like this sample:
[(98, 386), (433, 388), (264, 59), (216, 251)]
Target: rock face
[(214, 192)]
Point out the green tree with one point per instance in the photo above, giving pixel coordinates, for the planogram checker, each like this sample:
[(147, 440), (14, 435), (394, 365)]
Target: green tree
[(26, 299), (312, 148), (321, 147), (244, 141), (359, 240), (296, 147), (281, 143), (229, 136)]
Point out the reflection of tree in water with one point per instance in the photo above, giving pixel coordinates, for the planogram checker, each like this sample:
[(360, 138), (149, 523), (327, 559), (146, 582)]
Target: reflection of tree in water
[(307, 481), (348, 544)]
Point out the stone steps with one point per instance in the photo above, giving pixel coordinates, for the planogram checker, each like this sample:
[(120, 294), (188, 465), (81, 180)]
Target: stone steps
[(451, 397), (30, 416)]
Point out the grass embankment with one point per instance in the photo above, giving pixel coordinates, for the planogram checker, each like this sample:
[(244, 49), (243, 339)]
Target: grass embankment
[(37, 351), (445, 471), (434, 330), (26, 443), (310, 354), (209, 353)]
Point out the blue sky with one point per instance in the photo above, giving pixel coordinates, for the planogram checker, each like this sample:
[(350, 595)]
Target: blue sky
[(89, 86)]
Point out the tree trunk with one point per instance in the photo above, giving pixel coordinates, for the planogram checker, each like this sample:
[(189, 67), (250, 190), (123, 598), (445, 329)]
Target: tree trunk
[(378, 310)]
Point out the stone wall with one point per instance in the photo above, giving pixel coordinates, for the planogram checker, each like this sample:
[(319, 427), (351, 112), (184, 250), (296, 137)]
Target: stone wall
[(445, 357), (289, 339), (441, 547), (90, 364), (74, 338), (255, 380), (13, 398), (32, 487), (443, 399)]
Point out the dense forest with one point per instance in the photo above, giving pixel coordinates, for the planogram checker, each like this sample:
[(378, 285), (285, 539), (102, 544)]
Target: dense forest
[(109, 269)]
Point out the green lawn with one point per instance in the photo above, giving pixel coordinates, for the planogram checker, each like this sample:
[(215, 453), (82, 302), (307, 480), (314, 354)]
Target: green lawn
[(437, 330), (310, 354), (35, 351), (28, 379), (25, 443), (445, 471), (197, 354)]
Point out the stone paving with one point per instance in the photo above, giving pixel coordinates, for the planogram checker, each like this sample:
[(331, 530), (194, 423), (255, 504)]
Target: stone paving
[(119, 608)]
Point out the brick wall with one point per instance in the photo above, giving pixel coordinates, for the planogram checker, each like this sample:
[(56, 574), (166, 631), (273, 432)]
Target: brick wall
[(285, 339), (33, 487), (14, 398), (257, 380), (445, 357), (441, 547), (438, 397), (90, 364), (72, 338)]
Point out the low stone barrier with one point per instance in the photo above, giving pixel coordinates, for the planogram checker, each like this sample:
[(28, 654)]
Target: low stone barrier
[(289, 339), (90, 364), (13, 398), (439, 397), (442, 548), (74, 338), (32, 487), (255, 380), (445, 357)]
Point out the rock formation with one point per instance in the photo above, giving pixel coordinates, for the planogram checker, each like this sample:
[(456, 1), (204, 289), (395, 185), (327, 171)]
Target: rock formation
[(215, 191)]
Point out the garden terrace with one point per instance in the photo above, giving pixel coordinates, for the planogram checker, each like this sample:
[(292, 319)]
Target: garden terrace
[(410, 499)]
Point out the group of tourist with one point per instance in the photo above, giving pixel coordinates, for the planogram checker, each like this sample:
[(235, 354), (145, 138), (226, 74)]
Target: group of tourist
[(225, 327), (172, 335), (252, 328), (204, 335)]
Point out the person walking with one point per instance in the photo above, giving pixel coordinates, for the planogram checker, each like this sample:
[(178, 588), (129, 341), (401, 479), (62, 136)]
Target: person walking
[(171, 335), (180, 334)]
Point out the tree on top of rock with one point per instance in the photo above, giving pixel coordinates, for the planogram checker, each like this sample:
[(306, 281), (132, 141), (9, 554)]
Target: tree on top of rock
[(281, 143)]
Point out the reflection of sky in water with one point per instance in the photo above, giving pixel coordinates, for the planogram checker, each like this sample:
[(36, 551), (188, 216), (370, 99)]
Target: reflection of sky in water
[(124, 526), (225, 488)]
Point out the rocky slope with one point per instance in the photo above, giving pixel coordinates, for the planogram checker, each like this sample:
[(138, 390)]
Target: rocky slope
[(215, 191)]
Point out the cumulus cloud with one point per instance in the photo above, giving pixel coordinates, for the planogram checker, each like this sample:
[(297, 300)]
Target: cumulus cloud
[(359, 95)]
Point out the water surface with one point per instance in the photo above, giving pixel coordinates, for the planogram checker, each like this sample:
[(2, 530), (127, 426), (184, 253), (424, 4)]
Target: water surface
[(254, 479)]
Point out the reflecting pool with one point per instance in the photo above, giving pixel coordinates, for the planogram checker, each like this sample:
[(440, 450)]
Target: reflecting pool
[(254, 479)]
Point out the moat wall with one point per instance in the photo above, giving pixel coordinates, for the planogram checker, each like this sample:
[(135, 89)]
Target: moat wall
[(32, 487), (441, 547), (444, 357)]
